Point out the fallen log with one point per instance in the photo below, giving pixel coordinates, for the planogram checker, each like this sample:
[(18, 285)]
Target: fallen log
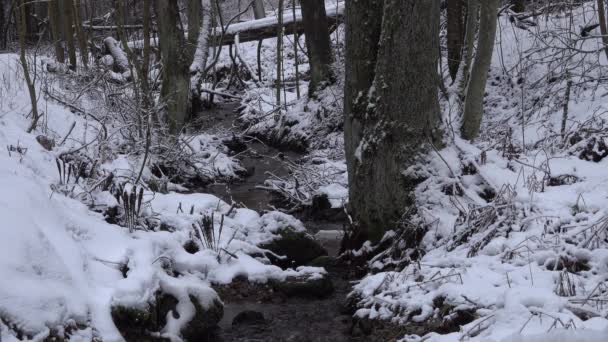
[(255, 30)]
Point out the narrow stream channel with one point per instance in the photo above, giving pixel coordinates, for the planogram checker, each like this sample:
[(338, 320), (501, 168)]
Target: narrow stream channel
[(284, 318)]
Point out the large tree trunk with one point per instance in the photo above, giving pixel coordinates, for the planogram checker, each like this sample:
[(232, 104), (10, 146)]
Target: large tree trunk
[(56, 30), (455, 35), (473, 106), (363, 27), (317, 42), (175, 89), (398, 117)]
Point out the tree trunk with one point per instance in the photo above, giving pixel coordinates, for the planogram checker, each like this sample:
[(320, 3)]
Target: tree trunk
[(2, 33), (194, 26), (56, 30), (20, 17), (471, 31), (80, 34), (473, 106), (363, 20), (396, 116), (175, 88), (455, 35), (601, 13), (317, 42), (68, 20), (258, 9)]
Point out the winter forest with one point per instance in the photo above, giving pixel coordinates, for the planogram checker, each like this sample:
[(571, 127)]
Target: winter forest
[(304, 170)]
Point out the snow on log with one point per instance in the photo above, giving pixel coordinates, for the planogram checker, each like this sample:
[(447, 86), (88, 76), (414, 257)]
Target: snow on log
[(254, 30), (121, 62)]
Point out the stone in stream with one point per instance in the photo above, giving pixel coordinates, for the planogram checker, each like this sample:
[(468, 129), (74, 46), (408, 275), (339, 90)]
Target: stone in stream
[(318, 287), (249, 317), (298, 248), (136, 323)]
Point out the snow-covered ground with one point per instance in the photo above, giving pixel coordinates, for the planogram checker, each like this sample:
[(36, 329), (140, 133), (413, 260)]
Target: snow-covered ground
[(63, 266), (517, 240)]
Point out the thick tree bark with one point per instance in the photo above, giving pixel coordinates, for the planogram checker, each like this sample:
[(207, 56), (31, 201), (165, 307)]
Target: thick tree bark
[(473, 106), (396, 116), (68, 20), (56, 30), (175, 88), (455, 35), (317, 42), (363, 27)]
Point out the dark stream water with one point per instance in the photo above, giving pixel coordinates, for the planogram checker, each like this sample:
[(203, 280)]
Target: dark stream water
[(285, 319)]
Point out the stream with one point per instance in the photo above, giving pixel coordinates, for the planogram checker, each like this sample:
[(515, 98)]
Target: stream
[(284, 318)]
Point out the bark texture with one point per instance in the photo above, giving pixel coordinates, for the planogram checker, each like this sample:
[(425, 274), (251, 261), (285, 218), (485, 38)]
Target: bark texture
[(455, 35), (473, 106), (317, 42), (175, 88), (396, 117), (363, 27)]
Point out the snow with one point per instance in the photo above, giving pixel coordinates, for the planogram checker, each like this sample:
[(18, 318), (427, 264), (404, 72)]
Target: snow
[(509, 271), (61, 262)]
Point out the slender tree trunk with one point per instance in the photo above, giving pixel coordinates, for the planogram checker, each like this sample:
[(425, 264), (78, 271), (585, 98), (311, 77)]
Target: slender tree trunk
[(80, 34), (194, 26), (2, 20), (363, 27), (601, 13), (471, 32), (20, 17), (455, 35), (279, 51), (68, 20), (56, 30), (175, 88), (317, 42), (473, 106)]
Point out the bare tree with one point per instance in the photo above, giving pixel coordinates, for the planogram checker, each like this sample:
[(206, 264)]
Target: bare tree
[(20, 16), (455, 34), (317, 42), (473, 106)]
